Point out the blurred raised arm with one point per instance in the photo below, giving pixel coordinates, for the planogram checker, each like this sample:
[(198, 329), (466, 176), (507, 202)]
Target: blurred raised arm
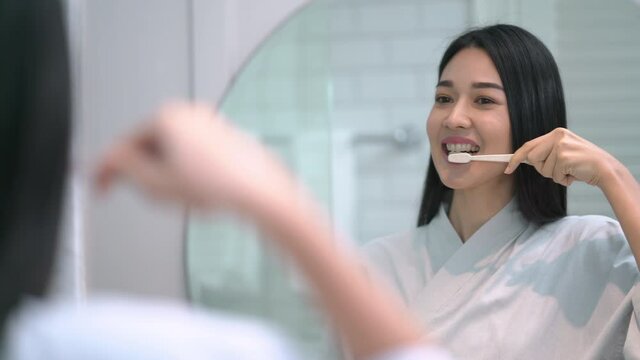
[(188, 153)]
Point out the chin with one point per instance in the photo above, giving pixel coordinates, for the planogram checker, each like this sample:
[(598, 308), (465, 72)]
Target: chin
[(458, 184), (474, 179)]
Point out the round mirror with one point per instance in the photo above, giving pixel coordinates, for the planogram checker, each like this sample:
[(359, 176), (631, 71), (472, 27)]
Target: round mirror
[(341, 92), (281, 96)]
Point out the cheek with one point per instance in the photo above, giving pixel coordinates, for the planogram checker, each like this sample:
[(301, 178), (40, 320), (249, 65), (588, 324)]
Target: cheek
[(432, 128), (506, 135), (506, 130), (498, 136)]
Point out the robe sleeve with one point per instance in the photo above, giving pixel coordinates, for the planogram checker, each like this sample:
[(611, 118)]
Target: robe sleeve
[(632, 342), (415, 352), (378, 263)]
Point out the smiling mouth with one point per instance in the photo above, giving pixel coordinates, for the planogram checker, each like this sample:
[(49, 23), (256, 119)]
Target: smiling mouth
[(460, 148)]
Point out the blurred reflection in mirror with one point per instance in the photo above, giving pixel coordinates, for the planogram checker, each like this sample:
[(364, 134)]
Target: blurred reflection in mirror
[(342, 92), (281, 97)]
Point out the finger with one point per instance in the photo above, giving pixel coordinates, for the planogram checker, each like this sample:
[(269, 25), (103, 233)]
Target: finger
[(105, 173), (542, 151), (131, 164), (548, 166), (150, 177), (138, 152), (110, 165), (565, 180), (520, 155), (563, 174)]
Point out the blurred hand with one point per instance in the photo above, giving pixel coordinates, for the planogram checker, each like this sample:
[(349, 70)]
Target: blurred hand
[(188, 153), (565, 157)]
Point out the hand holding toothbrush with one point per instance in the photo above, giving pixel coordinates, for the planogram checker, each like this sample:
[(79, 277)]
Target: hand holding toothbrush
[(565, 157)]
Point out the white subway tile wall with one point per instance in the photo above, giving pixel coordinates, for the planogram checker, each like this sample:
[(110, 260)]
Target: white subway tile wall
[(383, 64), (598, 55), (356, 53), (390, 17), (382, 58), (338, 69), (342, 69)]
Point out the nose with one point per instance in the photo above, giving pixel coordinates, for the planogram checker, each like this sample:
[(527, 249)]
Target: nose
[(458, 118)]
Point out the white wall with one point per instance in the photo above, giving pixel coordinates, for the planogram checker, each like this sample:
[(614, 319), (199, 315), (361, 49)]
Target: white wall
[(226, 33), (130, 56), (383, 59), (134, 57), (537, 16), (281, 97), (354, 70), (597, 48), (599, 57)]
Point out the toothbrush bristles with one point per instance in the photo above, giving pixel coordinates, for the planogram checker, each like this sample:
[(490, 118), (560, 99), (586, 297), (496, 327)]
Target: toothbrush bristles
[(459, 158)]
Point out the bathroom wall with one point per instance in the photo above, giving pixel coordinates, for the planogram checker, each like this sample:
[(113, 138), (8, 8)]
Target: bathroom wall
[(597, 50), (383, 58), (598, 54), (327, 91), (362, 68), (384, 61), (281, 97), (128, 57)]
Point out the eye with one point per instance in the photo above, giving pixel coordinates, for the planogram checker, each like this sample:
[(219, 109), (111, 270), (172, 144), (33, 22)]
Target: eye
[(485, 101), (443, 99)]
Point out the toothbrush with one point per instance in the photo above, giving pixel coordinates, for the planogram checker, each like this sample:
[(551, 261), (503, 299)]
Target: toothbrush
[(463, 158)]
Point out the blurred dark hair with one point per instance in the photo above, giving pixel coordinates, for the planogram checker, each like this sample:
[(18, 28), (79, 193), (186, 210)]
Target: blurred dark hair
[(35, 125), (535, 99)]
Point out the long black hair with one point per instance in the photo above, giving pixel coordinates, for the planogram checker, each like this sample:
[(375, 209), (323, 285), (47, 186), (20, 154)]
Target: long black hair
[(35, 122), (536, 105)]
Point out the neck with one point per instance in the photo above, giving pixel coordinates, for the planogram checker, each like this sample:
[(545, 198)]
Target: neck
[(472, 208)]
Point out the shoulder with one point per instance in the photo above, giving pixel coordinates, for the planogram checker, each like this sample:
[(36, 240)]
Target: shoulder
[(599, 239), (387, 248), (392, 240), (586, 227), (123, 328), (394, 260)]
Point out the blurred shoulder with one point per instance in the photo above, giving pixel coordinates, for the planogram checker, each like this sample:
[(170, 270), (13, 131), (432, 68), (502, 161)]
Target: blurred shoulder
[(124, 328), (394, 241)]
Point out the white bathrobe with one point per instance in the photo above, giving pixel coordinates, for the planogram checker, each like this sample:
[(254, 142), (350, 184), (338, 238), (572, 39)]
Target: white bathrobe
[(514, 290)]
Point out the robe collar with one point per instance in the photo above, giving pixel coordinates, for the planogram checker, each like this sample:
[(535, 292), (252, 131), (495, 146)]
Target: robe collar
[(455, 264), (503, 227)]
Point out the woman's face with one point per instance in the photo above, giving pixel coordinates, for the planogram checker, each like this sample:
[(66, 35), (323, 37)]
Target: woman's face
[(470, 114)]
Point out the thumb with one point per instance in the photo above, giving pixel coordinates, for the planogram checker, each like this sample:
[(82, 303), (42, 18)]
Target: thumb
[(131, 162)]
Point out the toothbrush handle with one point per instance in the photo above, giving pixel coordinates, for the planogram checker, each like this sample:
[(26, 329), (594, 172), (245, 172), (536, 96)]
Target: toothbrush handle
[(495, 158)]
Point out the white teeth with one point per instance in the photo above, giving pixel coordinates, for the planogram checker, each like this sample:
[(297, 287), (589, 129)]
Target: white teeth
[(455, 148)]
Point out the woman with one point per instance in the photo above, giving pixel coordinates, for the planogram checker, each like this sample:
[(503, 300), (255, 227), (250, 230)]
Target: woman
[(496, 268), (187, 153)]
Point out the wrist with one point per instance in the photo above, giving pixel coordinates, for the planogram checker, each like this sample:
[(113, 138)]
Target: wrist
[(277, 206), (614, 175)]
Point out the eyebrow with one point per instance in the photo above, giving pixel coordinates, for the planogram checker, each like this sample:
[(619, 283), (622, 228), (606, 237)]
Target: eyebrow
[(476, 85)]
